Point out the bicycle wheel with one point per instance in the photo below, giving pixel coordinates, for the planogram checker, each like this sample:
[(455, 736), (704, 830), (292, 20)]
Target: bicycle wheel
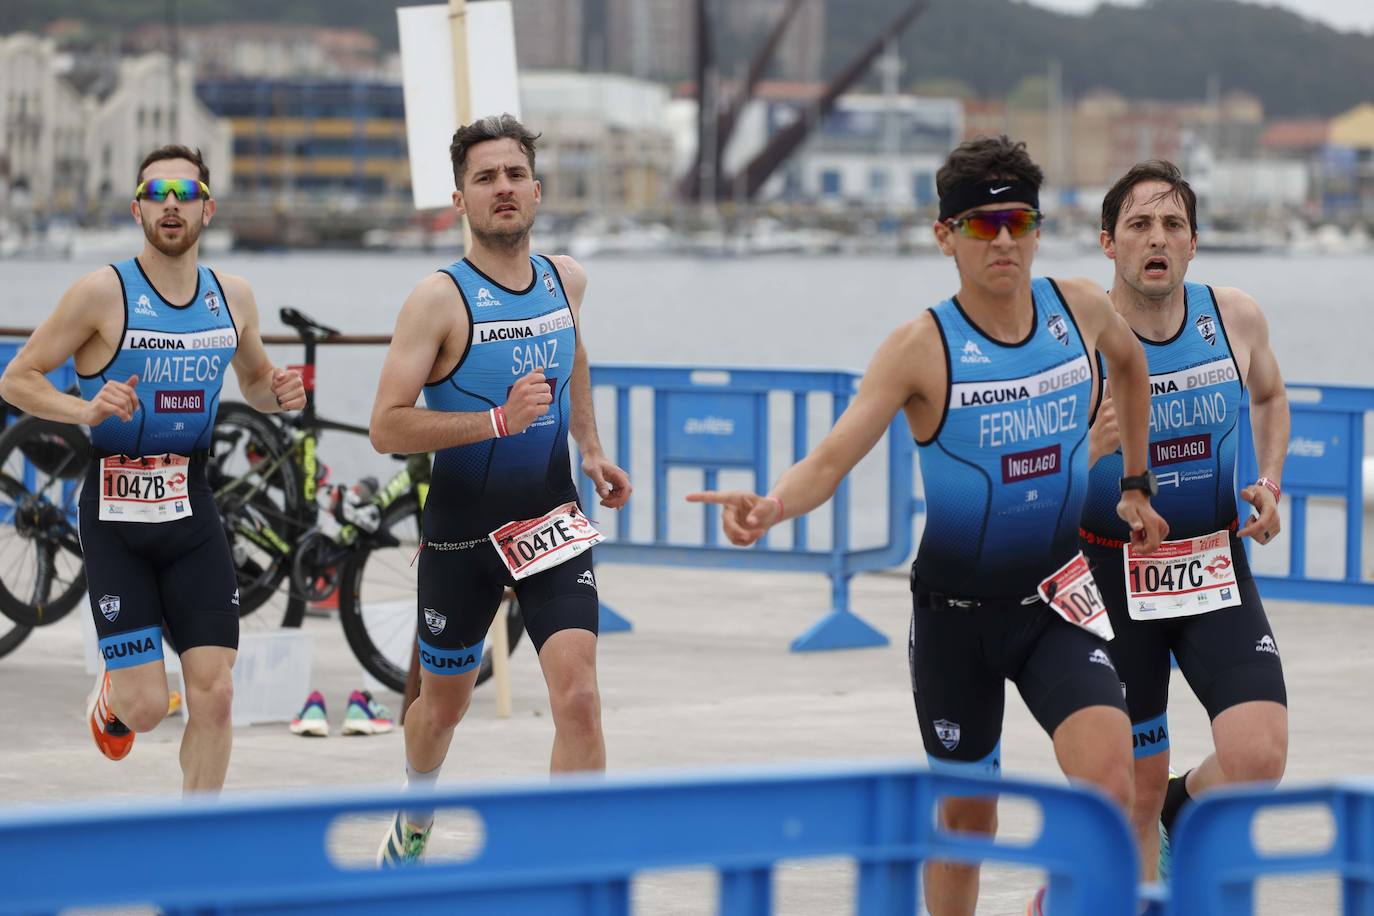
[(42, 572), (257, 490), (11, 635), (377, 598)]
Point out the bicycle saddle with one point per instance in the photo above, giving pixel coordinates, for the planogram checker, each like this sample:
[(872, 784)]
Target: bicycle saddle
[(305, 325)]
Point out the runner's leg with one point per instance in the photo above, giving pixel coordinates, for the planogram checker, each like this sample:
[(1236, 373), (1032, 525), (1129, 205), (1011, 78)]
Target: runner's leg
[(208, 675)]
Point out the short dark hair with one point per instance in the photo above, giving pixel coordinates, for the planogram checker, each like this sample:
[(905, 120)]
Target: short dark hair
[(492, 127), (1160, 170), (986, 158), (175, 151)]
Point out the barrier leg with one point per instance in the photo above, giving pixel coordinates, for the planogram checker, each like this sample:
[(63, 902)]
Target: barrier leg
[(841, 628), (746, 893), (500, 665)]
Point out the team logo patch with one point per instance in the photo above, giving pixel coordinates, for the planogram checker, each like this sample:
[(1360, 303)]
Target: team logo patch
[(212, 302), (947, 732), (109, 606), (548, 284), (972, 354), (435, 621), (1059, 328), (1207, 328)]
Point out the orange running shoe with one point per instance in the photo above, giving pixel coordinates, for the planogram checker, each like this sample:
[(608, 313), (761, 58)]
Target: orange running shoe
[(113, 737)]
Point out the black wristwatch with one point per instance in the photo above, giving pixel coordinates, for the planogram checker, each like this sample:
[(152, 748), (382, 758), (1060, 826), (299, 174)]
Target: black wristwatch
[(1147, 483)]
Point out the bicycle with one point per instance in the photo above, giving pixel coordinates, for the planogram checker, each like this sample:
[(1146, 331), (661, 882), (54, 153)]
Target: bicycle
[(267, 481), (359, 542)]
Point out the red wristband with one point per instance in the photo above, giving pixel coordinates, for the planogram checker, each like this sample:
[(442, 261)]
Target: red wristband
[(498, 422), (781, 510), (1272, 487)]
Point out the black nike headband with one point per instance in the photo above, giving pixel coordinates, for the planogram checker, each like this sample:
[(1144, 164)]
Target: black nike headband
[(975, 193)]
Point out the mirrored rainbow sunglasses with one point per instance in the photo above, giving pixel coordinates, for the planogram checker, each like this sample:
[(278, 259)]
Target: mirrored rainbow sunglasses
[(184, 188), (985, 225)]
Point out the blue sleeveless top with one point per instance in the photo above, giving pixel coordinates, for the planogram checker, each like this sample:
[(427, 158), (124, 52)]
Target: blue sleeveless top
[(1195, 395), (179, 353), (1006, 471), (479, 487)]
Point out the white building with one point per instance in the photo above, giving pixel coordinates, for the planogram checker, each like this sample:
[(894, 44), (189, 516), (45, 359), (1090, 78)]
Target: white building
[(42, 130), (148, 109), (606, 144)]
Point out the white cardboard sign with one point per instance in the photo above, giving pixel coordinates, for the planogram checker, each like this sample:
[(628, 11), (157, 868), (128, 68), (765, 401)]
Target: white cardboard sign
[(427, 61)]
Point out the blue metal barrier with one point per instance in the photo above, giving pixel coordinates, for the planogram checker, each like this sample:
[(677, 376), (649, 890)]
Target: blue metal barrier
[(714, 420), (1325, 459), (572, 847), (1216, 864)]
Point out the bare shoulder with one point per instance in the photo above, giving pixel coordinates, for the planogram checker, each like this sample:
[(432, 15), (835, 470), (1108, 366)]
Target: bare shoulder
[(239, 294), (1081, 292), (102, 285), (433, 304), (1237, 306), (573, 275), (913, 348)]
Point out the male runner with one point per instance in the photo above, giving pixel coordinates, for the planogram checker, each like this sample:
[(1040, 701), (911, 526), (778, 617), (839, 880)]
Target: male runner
[(1205, 346), (493, 342), (152, 336), (997, 386)]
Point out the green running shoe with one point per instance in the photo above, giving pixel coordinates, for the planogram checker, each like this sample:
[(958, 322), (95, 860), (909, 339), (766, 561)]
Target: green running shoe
[(403, 845)]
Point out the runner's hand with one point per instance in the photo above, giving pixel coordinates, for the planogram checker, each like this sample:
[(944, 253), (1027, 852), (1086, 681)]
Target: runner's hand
[(1104, 437), (288, 388), (115, 399), (529, 399), (746, 516), (1265, 525), (612, 483), (1148, 527)]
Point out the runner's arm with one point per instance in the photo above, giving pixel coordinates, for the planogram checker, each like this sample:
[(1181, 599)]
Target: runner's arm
[(1269, 417), (72, 324), (1108, 332), (263, 385), (612, 483), (583, 421), (886, 387), (397, 425)]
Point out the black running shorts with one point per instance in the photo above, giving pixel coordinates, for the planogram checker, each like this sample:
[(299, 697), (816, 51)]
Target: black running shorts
[(461, 584), (1228, 656), (141, 575), (961, 657)]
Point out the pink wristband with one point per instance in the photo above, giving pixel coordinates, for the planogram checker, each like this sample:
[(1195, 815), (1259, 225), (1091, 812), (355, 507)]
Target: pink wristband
[(498, 421), (781, 510), (1271, 487)]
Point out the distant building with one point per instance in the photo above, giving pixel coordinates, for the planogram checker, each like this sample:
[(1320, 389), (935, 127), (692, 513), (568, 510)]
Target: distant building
[(65, 152), (1347, 178), (800, 56), (549, 34), (147, 109), (43, 162), (266, 49), (606, 146), (309, 138)]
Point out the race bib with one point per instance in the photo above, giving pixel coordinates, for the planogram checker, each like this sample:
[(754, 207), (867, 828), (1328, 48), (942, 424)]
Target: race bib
[(1073, 594), (537, 544), (148, 489), (1182, 578)]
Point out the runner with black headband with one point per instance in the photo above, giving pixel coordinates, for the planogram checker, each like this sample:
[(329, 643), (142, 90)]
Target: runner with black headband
[(998, 387), (1206, 347), (152, 338)]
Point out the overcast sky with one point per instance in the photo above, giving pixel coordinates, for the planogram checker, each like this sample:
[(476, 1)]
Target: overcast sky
[(1346, 15)]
